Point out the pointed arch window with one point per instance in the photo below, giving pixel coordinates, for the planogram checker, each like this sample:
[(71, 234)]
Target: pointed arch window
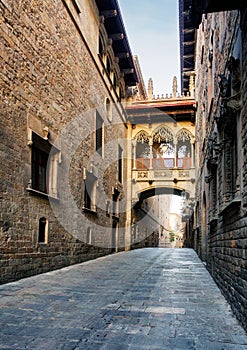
[(184, 149), (163, 149), (142, 150)]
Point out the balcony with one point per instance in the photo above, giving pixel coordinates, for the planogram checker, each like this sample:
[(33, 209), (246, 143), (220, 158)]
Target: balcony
[(163, 163), (163, 169)]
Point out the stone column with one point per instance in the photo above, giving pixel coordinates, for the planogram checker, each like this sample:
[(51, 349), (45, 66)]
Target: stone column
[(192, 145), (150, 143), (128, 189), (175, 155), (134, 142)]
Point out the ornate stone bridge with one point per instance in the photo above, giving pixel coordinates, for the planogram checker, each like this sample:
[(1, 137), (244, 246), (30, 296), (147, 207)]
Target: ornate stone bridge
[(163, 147)]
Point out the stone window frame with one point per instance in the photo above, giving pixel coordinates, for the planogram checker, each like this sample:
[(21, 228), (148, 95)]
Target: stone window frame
[(42, 147)]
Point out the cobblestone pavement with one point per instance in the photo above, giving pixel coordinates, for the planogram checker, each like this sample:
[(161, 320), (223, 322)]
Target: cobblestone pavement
[(143, 299)]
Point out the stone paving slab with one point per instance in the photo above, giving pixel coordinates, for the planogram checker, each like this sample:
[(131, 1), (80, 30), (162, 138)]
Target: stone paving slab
[(151, 299)]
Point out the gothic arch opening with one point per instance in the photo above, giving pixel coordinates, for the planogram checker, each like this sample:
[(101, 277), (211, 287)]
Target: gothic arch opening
[(163, 148), (184, 149), (158, 218), (142, 150)]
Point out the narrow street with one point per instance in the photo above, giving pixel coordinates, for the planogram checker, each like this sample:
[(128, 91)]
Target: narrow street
[(144, 299)]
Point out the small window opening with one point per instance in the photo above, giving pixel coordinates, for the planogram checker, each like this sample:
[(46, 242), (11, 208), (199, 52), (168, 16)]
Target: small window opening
[(43, 228), (89, 236), (99, 134), (108, 65)]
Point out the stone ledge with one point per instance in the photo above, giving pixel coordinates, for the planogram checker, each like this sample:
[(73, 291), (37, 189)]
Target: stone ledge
[(41, 194), (235, 203)]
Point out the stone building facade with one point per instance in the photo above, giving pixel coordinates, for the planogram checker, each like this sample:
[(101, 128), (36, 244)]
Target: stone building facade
[(64, 71), (220, 216)]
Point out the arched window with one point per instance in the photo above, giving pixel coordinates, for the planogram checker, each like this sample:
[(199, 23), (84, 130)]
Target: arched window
[(163, 149), (142, 150), (184, 149)]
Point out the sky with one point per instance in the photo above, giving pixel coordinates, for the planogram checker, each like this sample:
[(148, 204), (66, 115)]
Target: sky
[(153, 35), (152, 28)]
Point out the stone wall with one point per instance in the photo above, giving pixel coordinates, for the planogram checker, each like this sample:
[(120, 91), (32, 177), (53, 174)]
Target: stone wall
[(49, 79), (220, 235)]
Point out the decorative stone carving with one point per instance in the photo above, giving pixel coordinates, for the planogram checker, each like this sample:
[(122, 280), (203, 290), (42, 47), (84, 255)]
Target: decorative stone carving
[(184, 173), (132, 91), (167, 174), (142, 137), (45, 133), (230, 89), (142, 174), (163, 134), (234, 102), (233, 66), (183, 135), (208, 179), (223, 85), (213, 151)]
